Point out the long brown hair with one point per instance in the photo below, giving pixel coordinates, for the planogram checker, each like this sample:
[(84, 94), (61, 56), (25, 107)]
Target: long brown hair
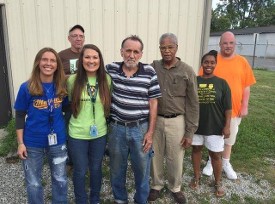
[(82, 79), (35, 83)]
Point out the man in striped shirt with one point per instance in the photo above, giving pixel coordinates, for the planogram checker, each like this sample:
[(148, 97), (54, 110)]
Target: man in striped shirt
[(133, 117)]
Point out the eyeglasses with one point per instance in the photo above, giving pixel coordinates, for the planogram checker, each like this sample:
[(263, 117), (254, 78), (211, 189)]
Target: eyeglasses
[(169, 48), (77, 36)]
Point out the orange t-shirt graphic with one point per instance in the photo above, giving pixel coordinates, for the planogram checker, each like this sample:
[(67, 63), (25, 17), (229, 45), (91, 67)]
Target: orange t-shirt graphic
[(238, 74)]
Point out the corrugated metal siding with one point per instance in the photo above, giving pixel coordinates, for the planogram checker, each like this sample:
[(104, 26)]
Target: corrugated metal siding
[(33, 24)]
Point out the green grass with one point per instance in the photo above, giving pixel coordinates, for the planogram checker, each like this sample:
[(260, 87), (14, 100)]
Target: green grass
[(256, 139)]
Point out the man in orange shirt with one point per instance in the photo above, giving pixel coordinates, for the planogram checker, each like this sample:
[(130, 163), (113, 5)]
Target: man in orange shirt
[(237, 72)]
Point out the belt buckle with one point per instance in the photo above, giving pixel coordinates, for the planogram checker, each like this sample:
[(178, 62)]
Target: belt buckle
[(133, 123), (128, 124)]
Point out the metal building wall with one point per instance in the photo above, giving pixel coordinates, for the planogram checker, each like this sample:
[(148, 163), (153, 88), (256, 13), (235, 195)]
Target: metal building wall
[(33, 24)]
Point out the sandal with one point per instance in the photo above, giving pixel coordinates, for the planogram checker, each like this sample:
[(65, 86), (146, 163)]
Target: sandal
[(194, 184), (219, 191)]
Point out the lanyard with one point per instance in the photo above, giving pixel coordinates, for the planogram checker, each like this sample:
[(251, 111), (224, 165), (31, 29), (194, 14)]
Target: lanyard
[(92, 92), (50, 108), (50, 102)]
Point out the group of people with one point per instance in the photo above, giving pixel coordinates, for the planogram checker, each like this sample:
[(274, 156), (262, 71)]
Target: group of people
[(146, 113)]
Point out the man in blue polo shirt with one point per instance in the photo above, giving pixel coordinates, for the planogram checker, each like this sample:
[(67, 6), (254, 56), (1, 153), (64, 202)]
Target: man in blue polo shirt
[(133, 118)]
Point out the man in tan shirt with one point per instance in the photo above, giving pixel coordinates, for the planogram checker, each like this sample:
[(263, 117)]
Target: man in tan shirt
[(178, 114)]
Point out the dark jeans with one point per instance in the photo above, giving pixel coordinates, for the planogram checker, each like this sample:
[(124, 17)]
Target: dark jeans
[(87, 154), (67, 116)]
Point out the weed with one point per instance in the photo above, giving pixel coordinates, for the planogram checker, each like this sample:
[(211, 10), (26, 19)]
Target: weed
[(9, 143)]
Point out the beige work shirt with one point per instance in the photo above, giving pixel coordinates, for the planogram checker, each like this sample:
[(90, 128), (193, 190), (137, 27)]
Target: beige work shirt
[(179, 93)]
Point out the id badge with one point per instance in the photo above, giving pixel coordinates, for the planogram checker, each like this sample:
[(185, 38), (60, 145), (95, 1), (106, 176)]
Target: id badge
[(52, 139), (93, 131)]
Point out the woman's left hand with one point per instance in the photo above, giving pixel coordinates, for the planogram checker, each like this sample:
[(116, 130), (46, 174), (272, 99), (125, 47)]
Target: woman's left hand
[(22, 151)]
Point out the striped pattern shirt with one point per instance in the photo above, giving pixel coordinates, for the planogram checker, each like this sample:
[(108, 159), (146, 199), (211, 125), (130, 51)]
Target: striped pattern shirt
[(130, 96)]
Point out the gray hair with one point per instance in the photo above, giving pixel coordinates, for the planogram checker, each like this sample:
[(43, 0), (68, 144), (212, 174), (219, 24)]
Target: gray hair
[(172, 36), (133, 38)]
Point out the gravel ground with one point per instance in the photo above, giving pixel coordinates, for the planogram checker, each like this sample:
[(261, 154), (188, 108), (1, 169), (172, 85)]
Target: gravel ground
[(12, 188)]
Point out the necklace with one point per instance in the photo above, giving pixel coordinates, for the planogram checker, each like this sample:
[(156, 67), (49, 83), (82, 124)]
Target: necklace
[(48, 90)]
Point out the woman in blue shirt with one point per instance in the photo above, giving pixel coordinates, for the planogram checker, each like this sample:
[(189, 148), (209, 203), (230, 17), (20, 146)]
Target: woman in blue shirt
[(42, 133)]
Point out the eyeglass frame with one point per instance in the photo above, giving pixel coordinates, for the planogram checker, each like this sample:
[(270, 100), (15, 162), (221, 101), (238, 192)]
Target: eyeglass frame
[(77, 36)]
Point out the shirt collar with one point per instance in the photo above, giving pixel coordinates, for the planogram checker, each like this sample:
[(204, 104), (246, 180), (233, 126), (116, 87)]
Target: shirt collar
[(177, 63), (140, 69)]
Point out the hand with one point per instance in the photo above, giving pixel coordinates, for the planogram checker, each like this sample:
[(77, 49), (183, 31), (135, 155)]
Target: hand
[(243, 111), (147, 142), (22, 151), (186, 142), (226, 132)]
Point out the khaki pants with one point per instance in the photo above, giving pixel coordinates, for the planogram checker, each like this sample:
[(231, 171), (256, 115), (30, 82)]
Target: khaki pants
[(166, 143), (234, 128)]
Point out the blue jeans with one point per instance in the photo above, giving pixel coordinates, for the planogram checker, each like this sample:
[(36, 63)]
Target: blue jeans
[(87, 154), (57, 156), (124, 141)]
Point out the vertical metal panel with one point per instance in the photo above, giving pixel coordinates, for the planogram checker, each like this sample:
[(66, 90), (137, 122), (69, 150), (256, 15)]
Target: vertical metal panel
[(191, 49), (39, 23), (71, 11), (108, 28), (151, 28), (18, 56), (29, 31), (84, 19), (43, 19), (174, 15), (131, 19), (97, 27), (59, 25), (119, 22)]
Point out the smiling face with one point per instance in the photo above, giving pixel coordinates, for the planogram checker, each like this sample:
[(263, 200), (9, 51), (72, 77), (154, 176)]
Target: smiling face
[(91, 61), (47, 66), (208, 65)]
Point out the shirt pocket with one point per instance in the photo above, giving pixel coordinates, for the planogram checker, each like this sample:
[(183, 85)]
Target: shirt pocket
[(179, 84)]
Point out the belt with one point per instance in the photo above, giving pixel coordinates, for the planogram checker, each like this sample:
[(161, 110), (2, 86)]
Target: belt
[(130, 123), (169, 116)]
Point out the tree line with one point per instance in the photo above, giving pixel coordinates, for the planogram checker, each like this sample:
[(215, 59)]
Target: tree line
[(234, 14)]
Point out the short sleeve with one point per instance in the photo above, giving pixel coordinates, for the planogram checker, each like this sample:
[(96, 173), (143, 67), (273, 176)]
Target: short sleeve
[(22, 99)]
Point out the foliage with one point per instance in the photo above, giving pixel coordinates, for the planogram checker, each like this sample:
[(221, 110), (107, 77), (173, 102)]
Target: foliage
[(9, 143), (243, 14), (219, 22)]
